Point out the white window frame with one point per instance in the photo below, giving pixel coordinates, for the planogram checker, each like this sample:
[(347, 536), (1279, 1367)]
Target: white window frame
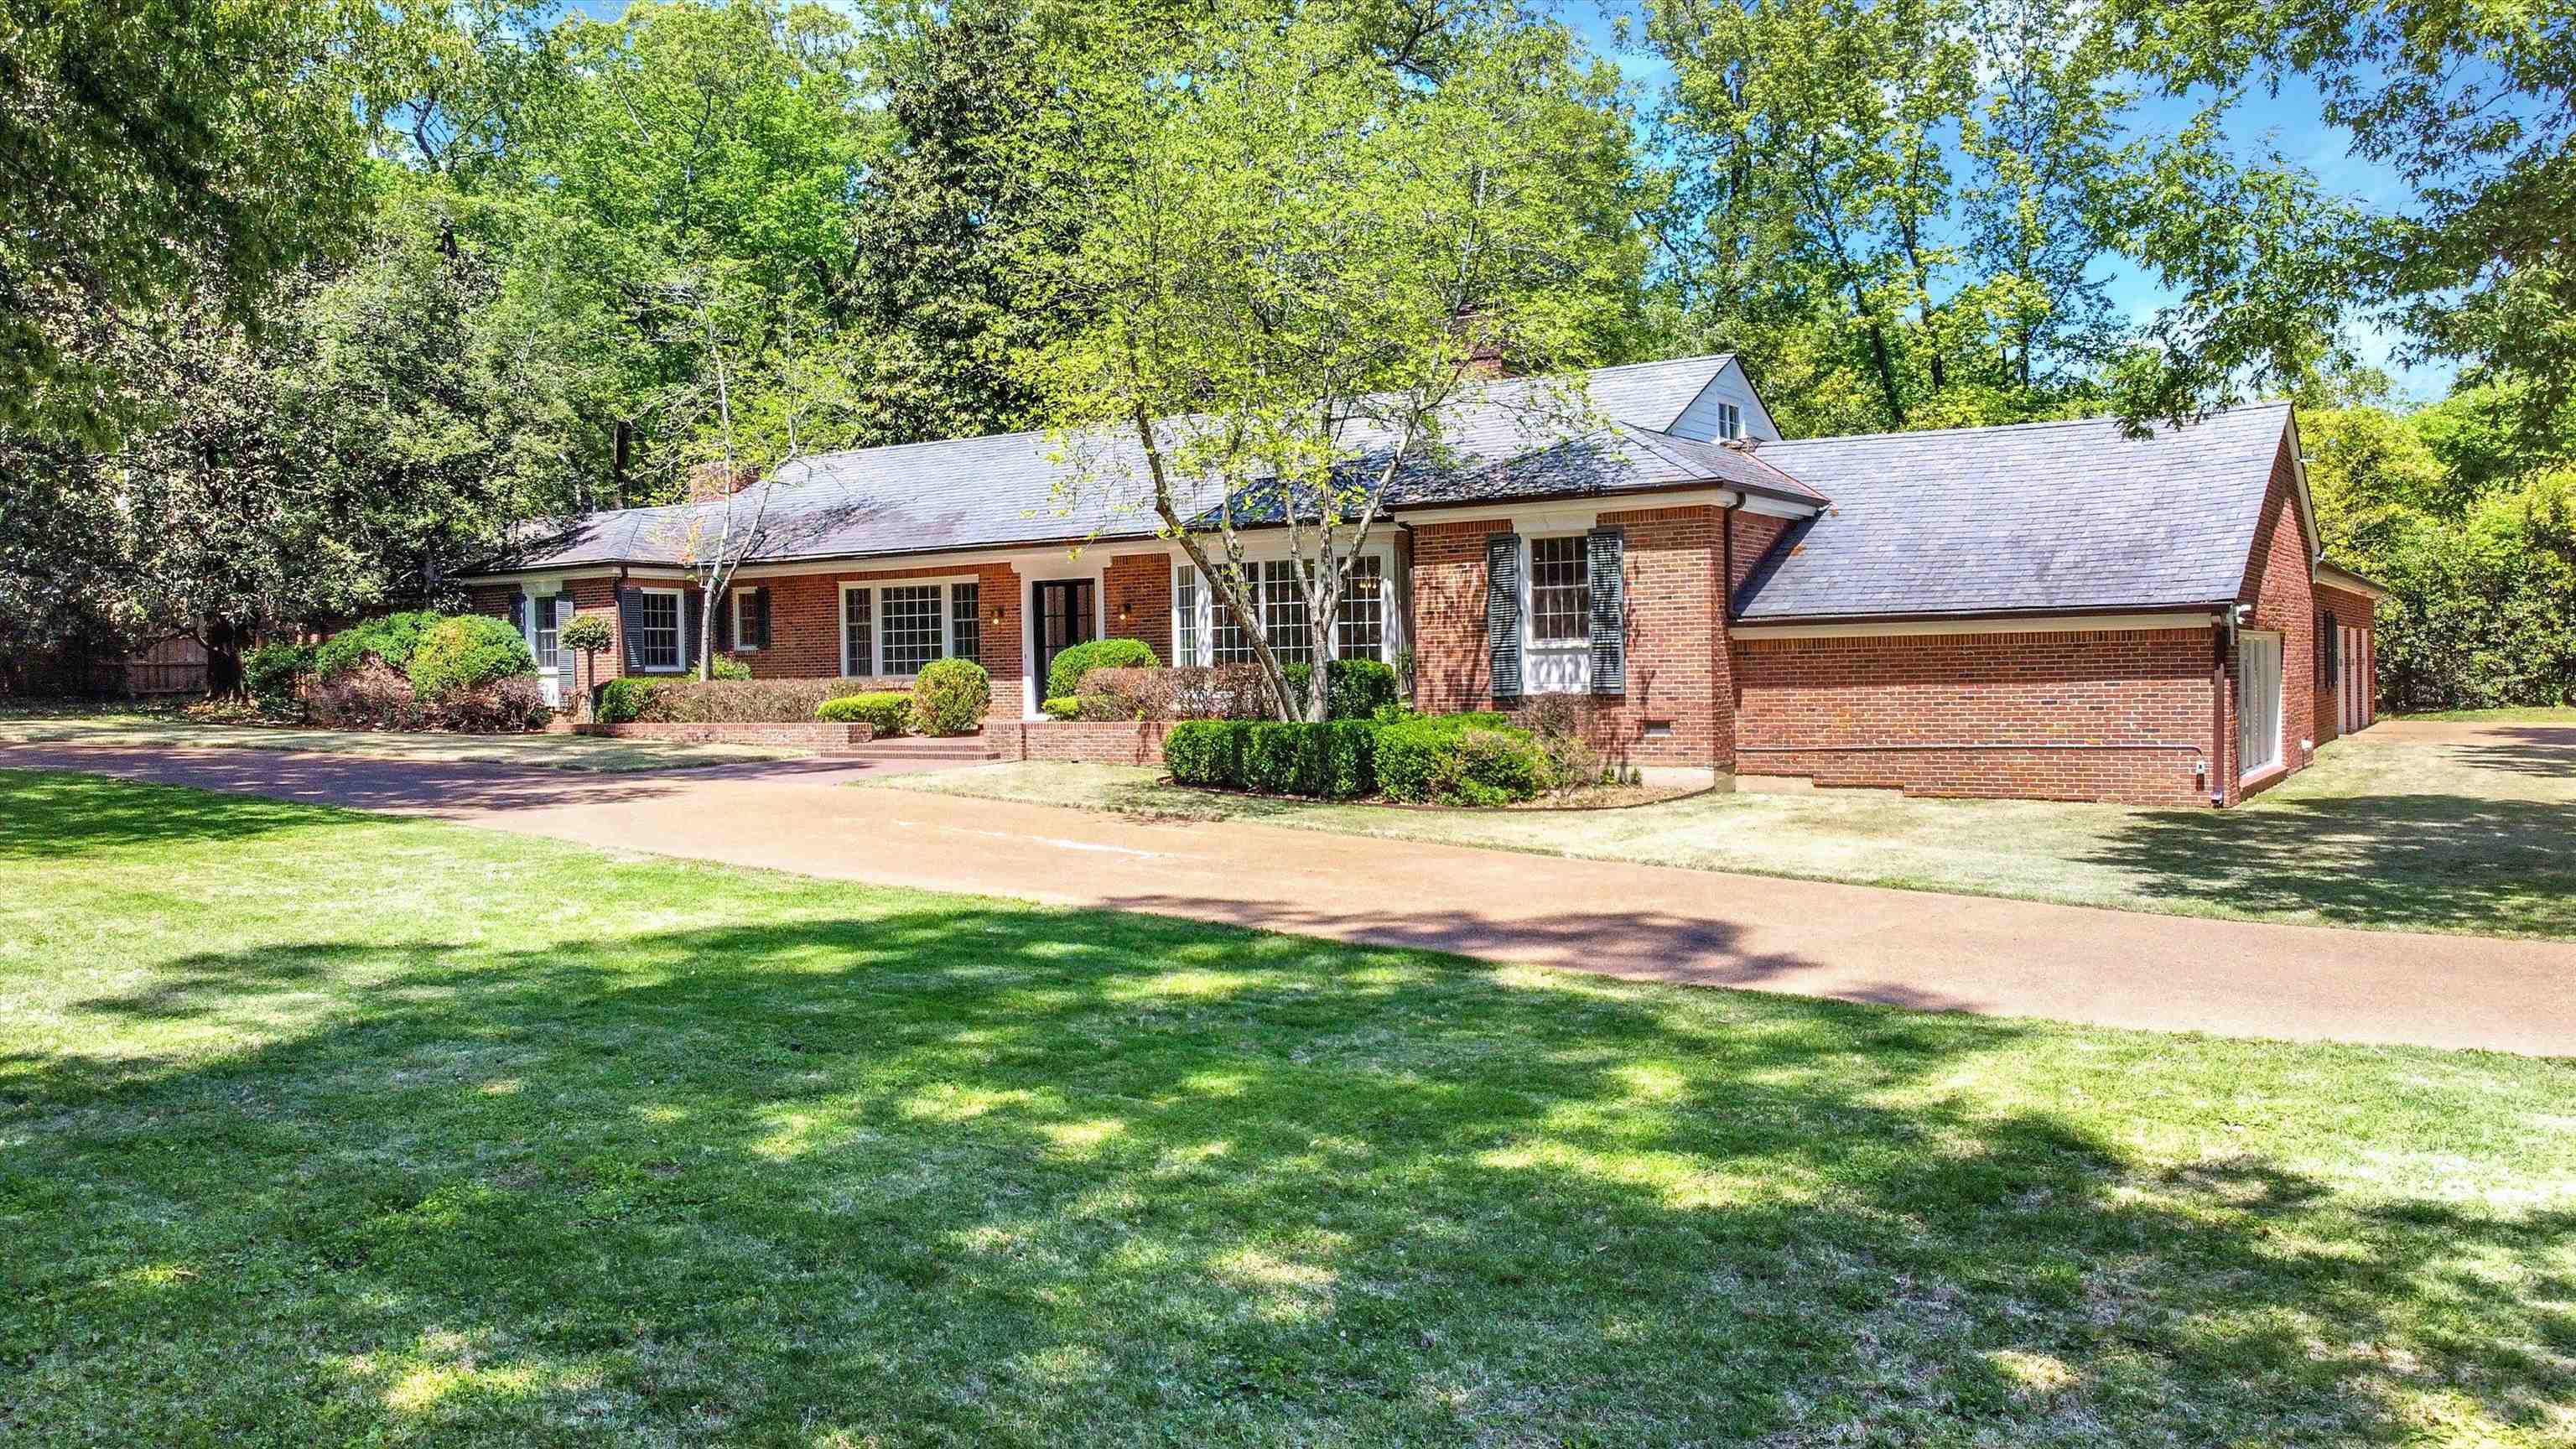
[(1546, 663), (679, 632), (2249, 770), (734, 598), (1730, 420), (947, 586), (1203, 630)]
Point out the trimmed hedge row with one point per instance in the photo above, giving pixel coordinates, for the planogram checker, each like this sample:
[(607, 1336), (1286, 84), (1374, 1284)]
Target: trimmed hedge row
[(1458, 759), (1335, 760), (628, 699)]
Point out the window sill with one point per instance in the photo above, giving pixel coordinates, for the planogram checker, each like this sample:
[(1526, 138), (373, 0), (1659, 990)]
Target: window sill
[(2263, 774)]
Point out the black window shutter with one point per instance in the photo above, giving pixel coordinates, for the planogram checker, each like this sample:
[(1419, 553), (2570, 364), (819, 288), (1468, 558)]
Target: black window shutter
[(1503, 612), (630, 627), (519, 614), (692, 608), (1606, 584), (760, 618)]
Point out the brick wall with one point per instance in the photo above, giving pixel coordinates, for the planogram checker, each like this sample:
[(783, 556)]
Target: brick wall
[(1108, 742), (1136, 600), (1679, 706), (805, 623), (2125, 687), (2344, 609), (2280, 585)]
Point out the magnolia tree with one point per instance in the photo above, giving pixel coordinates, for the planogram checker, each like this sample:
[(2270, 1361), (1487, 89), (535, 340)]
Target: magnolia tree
[(1300, 234)]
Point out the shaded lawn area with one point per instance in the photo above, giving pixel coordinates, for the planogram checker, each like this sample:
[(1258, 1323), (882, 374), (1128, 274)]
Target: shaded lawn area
[(2477, 838), (543, 751), (316, 1126)]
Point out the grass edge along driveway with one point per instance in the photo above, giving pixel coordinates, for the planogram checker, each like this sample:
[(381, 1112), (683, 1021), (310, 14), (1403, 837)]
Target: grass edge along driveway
[(2471, 838), (365, 1128), (582, 753)]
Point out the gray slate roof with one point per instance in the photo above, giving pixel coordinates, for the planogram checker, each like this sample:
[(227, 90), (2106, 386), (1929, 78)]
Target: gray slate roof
[(1511, 441), (2040, 516)]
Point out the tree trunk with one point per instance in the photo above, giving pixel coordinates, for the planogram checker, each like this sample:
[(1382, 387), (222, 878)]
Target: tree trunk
[(223, 641)]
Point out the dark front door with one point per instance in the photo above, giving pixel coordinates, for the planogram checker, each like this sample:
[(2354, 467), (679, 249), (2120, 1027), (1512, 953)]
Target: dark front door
[(1064, 620)]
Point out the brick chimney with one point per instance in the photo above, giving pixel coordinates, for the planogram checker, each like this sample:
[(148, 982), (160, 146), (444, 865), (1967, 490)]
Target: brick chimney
[(1484, 349), (709, 482)]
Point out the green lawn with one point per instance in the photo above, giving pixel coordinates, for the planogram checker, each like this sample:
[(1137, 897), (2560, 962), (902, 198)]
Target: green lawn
[(326, 1128), (551, 752), (2394, 835)]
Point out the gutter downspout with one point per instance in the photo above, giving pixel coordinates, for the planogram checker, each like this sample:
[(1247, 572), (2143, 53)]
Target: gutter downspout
[(2222, 633)]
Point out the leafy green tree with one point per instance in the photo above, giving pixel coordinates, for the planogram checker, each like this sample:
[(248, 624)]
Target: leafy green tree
[(164, 157), (1294, 239), (952, 226), (2473, 103)]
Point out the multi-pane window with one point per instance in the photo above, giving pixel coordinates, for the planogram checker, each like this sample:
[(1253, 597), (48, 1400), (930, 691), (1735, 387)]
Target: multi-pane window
[(1229, 641), (657, 629), (1283, 612), (965, 621), (1560, 612), (548, 634), (1730, 420), (746, 613), (1360, 624), (858, 631), (913, 634), (1185, 615)]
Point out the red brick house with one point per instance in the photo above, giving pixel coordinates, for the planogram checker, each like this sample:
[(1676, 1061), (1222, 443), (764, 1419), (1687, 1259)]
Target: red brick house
[(2049, 610)]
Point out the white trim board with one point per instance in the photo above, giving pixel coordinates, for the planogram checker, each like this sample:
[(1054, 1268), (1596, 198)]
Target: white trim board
[(2037, 624)]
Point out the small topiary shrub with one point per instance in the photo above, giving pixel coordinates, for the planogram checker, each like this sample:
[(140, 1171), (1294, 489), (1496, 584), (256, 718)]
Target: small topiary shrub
[(889, 710), (390, 638), (624, 700), (1061, 708), (588, 634), (272, 674), (729, 668), (1459, 759), (950, 696), (465, 653), (1064, 676)]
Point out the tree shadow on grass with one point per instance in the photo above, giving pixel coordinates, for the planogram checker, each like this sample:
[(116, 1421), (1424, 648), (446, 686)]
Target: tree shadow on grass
[(2426, 862), (992, 1175)]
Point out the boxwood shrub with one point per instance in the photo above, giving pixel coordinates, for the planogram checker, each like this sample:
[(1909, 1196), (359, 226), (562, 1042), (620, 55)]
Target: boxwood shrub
[(889, 710), (1061, 708), (1336, 760), (1064, 675), (623, 700), (950, 696), (725, 701), (1459, 759), (464, 653)]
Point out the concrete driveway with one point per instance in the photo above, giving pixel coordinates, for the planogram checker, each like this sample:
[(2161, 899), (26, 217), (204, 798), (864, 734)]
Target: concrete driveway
[(1852, 943)]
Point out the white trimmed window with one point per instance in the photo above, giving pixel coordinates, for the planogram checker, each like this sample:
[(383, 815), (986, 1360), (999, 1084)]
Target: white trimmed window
[(745, 640), (1730, 420), (1204, 630), (545, 631), (895, 629), (2258, 704), (657, 632), (1560, 603), (1360, 623), (1283, 613)]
